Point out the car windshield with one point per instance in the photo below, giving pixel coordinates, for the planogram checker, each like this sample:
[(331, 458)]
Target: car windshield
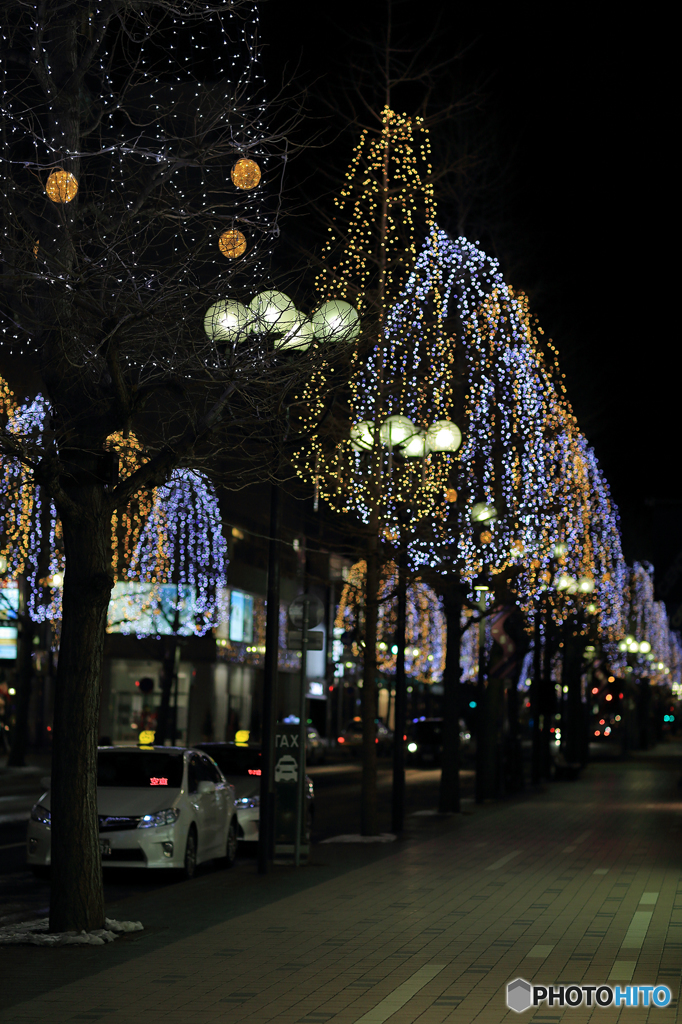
[(235, 760), (139, 769)]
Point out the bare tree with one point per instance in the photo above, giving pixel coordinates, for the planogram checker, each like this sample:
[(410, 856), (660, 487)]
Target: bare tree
[(140, 185)]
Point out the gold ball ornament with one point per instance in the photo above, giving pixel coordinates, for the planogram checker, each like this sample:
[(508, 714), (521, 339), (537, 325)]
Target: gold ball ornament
[(245, 174), (451, 495), (61, 186), (486, 537), (232, 243)]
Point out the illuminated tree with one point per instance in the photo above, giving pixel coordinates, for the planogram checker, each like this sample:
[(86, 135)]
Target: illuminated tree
[(425, 633), (180, 565), (380, 448), (140, 187)]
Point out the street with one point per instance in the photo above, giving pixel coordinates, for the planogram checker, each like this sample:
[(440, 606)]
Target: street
[(23, 896), (576, 884)]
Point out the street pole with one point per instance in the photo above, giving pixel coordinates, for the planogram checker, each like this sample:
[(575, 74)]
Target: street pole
[(482, 752), (267, 785), (449, 792), (301, 734), (400, 711), (535, 701)]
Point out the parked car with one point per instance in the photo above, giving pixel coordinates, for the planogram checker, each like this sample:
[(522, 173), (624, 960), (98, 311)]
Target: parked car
[(425, 741), (159, 807), (240, 763), (350, 740)]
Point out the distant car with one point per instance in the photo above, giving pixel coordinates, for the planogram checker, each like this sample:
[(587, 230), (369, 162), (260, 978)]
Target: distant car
[(315, 749), (159, 807), (425, 741), (240, 763), (350, 740)]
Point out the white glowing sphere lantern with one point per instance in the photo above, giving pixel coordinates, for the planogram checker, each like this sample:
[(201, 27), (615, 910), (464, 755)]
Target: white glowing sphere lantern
[(273, 312), (362, 435), (336, 321), (227, 321), (416, 447), (299, 337), (395, 430), (444, 436)]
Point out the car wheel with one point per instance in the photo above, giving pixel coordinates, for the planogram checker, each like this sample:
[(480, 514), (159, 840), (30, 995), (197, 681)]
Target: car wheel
[(232, 844), (190, 865)]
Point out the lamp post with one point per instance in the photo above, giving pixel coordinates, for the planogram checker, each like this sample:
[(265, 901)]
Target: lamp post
[(571, 717), (407, 445), (482, 516), (636, 652)]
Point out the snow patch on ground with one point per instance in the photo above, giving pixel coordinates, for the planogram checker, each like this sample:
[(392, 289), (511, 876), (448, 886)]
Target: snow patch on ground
[(385, 837), (36, 933)]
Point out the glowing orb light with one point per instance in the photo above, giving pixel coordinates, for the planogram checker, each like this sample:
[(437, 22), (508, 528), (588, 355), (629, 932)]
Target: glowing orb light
[(61, 186)]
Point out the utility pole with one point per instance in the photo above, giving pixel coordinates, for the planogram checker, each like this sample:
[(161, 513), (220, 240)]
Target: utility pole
[(267, 784)]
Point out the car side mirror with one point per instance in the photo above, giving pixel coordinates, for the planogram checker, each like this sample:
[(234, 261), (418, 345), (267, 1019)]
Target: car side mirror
[(206, 787)]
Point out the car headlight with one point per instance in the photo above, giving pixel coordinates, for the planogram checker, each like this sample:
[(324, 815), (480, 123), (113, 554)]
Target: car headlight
[(167, 817), (412, 747), (41, 814), (248, 801)]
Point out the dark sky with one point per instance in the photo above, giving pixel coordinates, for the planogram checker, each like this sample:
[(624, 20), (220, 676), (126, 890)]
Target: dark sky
[(574, 115)]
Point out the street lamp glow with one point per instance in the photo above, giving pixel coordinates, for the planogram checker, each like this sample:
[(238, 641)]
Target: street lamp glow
[(395, 430), (362, 435), (227, 321), (274, 312), (483, 513), (336, 321), (416, 447), (443, 436), (300, 336)]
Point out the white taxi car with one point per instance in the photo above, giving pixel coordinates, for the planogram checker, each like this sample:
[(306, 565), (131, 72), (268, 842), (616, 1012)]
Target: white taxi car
[(159, 807), (240, 763)]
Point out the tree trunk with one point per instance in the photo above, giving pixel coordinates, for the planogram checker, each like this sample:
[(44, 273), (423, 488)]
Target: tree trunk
[(77, 897), (369, 820), (400, 714), (449, 794), (270, 670), (19, 735), (168, 670)]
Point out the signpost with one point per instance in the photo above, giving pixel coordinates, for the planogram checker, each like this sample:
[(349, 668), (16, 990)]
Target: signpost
[(289, 769), (305, 611)]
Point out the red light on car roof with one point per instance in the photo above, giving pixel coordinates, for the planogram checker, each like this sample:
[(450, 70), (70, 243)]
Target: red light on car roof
[(404, 737), (340, 739), (620, 696)]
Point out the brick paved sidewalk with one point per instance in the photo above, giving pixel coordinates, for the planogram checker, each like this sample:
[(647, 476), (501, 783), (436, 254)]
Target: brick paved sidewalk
[(579, 884)]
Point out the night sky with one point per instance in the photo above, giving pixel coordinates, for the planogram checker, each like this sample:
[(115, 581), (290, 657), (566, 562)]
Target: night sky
[(574, 125)]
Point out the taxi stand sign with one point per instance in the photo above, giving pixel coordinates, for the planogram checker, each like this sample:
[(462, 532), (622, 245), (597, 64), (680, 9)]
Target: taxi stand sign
[(288, 767)]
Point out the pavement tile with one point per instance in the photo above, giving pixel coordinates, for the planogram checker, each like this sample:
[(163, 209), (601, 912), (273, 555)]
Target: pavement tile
[(554, 887)]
